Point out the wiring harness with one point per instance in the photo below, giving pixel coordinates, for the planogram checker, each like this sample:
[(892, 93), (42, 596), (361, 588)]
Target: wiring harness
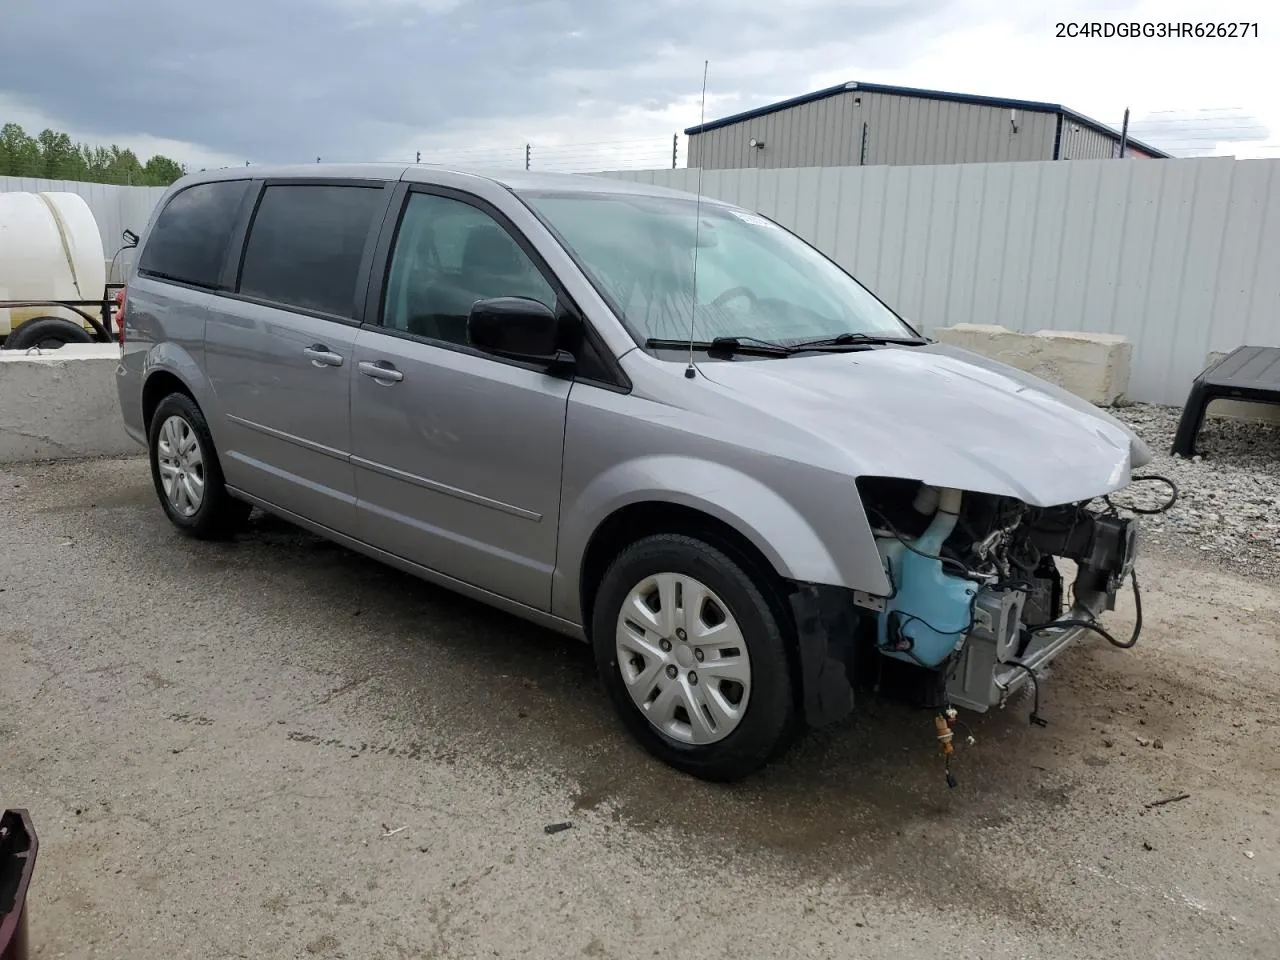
[(1133, 576), (947, 718)]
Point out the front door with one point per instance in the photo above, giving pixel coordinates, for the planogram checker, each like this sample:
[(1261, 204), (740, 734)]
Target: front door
[(457, 455)]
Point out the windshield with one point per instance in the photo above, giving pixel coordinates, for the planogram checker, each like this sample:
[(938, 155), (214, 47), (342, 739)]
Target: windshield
[(754, 279)]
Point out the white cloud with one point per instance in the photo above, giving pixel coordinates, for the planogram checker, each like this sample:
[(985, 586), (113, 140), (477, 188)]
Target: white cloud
[(1204, 132), (591, 86), (1222, 87), (1189, 96)]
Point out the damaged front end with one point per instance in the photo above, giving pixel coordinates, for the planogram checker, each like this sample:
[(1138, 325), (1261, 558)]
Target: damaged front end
[(977, 591), (978, 601)]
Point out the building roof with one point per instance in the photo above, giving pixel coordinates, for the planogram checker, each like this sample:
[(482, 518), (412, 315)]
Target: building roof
[(974, 99)]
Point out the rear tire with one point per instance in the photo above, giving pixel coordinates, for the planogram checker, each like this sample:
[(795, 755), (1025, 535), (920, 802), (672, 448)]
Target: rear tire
[(187, 476), (694, 657), (48, 333)]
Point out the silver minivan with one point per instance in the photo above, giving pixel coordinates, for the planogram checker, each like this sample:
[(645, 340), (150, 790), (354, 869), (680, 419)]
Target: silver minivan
[(656, 422)]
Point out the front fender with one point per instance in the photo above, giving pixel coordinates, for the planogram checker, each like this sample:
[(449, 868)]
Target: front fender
[(788, 540)]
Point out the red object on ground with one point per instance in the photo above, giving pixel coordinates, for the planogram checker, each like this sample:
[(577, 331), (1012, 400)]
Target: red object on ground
[(17, 862), (120, 298)]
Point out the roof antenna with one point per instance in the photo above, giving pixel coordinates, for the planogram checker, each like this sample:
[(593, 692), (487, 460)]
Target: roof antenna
[(697, 229)]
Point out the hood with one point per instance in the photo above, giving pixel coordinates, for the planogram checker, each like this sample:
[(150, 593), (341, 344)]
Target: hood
[(942, 416)]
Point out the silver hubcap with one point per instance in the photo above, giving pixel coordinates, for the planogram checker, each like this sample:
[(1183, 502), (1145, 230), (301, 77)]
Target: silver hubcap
[(181, 465), (683, 658)]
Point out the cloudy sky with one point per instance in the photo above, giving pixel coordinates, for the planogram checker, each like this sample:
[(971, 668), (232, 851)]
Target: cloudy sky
[(592, 85)]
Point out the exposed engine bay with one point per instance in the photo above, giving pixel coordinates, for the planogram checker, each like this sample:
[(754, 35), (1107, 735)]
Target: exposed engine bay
[(964, 563), (978, 599)]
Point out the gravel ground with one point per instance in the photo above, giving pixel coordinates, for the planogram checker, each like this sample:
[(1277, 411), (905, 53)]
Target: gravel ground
[(275, 748), (1228, 507)]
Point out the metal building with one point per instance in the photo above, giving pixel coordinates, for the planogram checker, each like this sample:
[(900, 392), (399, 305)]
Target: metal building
[(861, 124)]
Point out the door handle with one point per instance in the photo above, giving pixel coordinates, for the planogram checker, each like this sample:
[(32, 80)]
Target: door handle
[(381, 371), (322, 356)]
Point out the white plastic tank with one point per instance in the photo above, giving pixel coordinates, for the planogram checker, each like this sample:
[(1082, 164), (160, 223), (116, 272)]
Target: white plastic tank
[(50, 249)]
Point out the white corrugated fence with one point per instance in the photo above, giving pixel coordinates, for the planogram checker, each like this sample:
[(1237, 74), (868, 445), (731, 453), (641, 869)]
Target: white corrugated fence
[(1180, 256)]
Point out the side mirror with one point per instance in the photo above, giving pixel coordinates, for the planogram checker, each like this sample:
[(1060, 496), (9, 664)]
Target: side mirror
[(517, 328), (130, 238)]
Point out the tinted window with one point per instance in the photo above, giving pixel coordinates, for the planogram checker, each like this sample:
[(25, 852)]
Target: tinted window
[(190, 237), (449, 254), (306, 244)]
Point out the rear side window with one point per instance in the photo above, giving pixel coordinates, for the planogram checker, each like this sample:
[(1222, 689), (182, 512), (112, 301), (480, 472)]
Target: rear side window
[(189, 240), (306, 245)]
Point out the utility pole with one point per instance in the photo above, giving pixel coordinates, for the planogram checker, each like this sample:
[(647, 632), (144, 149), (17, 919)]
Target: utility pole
[(528, 154), (675, 148), (1124, 133), (419, 158)]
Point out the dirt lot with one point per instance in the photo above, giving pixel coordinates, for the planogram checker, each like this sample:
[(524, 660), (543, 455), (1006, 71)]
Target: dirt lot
[(214, 739)]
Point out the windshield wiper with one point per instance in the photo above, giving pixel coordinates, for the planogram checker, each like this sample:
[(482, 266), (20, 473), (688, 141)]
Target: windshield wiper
[(754, 346), (730, 345), (853, 340)]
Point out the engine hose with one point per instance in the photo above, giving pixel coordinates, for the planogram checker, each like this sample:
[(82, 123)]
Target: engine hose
[(1099, 629), (1035, 693), (1165, 507), (945, 561)]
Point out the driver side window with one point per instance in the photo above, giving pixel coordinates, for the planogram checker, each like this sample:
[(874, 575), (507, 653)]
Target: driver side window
[(448, 254)]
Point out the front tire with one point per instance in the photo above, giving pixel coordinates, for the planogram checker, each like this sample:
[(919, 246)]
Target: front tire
[(187, 475), (694, 657)]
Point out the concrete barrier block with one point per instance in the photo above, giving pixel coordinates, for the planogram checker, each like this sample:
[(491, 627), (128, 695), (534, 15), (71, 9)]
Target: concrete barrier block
[(1093, 366), (61, 404)]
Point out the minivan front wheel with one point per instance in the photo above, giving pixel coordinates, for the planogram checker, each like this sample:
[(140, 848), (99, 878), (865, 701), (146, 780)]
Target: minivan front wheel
[(186, 472), (694, 657)]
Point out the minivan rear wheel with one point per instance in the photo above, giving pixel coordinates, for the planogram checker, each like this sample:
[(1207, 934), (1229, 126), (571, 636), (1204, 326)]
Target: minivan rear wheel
[(693, 657), (187, 475)]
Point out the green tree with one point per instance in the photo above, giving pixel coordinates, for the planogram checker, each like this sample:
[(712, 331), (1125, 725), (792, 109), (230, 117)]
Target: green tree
[(53, 155), (19, 154), (59, 156), (161, 171), (123, 168)]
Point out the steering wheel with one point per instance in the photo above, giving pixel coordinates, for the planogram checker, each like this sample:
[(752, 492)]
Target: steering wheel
[(734, 293)]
